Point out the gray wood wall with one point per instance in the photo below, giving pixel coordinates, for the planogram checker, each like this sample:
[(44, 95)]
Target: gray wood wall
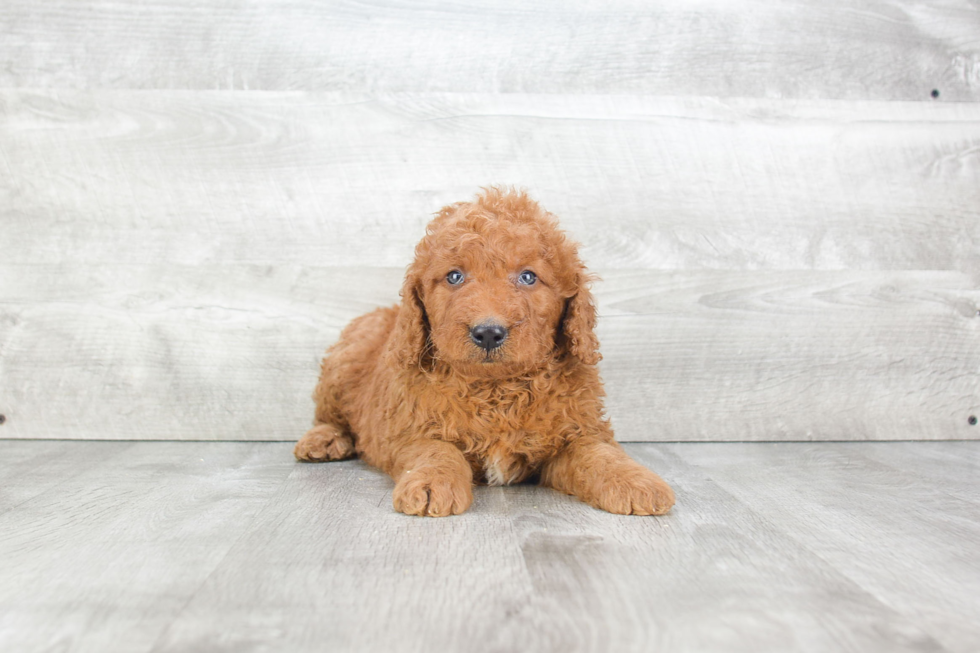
[(195, 197)]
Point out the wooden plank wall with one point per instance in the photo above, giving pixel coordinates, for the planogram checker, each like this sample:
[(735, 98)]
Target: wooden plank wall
[(783, 200)]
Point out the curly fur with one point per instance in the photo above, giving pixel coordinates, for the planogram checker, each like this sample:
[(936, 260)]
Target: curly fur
[(407, 389)]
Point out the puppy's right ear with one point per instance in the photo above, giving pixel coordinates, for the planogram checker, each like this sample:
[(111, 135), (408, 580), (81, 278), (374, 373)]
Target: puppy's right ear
[(411, 333)]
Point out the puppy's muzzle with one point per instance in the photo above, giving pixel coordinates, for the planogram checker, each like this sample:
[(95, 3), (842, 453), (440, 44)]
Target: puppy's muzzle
[(488, 336)]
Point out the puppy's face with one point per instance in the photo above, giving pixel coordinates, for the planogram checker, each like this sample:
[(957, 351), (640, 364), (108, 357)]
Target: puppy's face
[(494, 290)]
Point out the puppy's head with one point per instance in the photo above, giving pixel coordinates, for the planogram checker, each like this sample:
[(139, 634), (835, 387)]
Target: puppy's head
[(495, 289)]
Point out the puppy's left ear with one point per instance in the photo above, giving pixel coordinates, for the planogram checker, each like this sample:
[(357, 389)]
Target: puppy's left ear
[(576, 333)]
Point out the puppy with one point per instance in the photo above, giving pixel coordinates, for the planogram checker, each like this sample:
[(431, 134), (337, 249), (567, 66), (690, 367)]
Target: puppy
[(485, 373)]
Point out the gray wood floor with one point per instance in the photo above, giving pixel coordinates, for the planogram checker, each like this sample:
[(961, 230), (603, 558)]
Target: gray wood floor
[(188, 546)]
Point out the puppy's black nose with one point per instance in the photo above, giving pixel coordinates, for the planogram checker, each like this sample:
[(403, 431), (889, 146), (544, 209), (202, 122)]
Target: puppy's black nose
[(488, 336)]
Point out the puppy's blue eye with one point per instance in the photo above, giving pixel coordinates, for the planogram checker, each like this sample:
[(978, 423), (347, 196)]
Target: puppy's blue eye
[(527, 278), (455, 277)]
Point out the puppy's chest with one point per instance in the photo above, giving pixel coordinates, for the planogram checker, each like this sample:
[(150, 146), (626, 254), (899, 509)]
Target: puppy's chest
[(505, 449), (506, 462), (501, 469), (505, 430)]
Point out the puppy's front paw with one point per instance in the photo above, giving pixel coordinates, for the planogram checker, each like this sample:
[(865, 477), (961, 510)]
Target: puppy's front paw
[(324, 442), (637, 491), (432, 493)]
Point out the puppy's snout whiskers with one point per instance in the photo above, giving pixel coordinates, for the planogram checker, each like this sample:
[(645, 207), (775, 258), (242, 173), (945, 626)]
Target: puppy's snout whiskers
[(493, 356)]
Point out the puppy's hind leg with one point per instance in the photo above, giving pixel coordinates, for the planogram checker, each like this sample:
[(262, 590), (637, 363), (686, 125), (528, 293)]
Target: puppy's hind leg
[(324, 442), (343, 371), (330, 438)]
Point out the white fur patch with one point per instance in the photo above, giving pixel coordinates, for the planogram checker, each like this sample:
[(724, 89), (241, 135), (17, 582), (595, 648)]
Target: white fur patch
[(495, 475), (496, 471)]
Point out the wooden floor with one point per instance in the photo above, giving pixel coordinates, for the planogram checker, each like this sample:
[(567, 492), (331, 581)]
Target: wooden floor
[(186, 546)]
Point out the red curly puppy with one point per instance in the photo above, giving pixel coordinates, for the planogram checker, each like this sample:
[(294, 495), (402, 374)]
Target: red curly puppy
[(486, 372)]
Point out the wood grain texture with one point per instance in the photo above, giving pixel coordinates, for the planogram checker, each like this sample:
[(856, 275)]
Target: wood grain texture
[(846, 518), (235, 547), (31, 468), (232, 352), (347, 179), (792, 355), (885, 49), (194, 199), (105, 559), (950, 467)]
